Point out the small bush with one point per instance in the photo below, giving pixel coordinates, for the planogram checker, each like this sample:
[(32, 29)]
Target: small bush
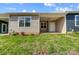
[(22, 33), (17, 33), (14, 33), (32, 34)]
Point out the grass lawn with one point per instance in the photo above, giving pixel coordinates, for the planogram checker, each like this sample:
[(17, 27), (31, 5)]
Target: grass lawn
[(40, 44)]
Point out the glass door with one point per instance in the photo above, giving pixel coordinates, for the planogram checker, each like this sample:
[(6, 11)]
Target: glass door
[(4, 28), (44, 26)]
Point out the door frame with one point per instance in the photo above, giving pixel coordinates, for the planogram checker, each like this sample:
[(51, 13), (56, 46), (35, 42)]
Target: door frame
[(44, 25), (5, 28)]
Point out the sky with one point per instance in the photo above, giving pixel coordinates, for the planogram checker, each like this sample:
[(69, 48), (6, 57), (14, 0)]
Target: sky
[(38, 7)]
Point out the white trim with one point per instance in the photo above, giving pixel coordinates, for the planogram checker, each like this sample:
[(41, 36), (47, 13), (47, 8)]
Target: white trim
[(39, 23), (76, 20), (24, 19), (65, 23), (5, 28), (8, 24)]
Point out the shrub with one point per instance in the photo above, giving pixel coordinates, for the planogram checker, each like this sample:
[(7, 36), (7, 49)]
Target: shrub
[(14, 33), (22, 33), (32, 34), (17, 33)]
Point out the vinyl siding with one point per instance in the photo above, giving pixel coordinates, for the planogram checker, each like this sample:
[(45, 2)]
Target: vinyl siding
[(70, 22), (14, 25)]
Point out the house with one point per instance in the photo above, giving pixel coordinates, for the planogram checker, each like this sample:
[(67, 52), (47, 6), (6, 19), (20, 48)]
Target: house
[(61, 22)]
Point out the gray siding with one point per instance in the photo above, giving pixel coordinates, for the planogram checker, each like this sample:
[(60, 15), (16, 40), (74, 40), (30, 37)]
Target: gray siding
[(70, 22)]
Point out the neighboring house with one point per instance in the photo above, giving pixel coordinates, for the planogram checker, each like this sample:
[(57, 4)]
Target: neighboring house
[(39, 22)]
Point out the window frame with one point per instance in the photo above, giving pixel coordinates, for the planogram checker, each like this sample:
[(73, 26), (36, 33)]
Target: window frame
[(20, 20), (24, 20), (76, 20)]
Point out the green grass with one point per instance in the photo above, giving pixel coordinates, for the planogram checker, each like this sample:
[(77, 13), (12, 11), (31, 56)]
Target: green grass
[(40, 44)]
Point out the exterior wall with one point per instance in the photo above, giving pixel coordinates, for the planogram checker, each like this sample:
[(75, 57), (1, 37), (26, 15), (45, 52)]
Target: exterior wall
[(70, 22), (34, 25), (61, 25), (14, 25)]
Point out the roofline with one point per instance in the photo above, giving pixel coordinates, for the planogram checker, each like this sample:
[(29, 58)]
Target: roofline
[(40, 12), (44, 12), (35, 12)]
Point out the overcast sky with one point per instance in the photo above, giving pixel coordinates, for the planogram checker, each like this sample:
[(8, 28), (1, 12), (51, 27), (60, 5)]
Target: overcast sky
[(38, 7)]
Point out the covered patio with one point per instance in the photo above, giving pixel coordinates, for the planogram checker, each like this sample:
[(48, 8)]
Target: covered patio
[(52, 23)]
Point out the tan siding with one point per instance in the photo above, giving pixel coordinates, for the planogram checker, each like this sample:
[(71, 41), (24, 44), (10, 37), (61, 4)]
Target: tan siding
[(34, 26)]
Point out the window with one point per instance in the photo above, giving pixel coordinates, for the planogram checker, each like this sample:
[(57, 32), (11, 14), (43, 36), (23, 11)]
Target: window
[(27, 21), (24, 21), (43, 24), (21, 23), (77, 20)]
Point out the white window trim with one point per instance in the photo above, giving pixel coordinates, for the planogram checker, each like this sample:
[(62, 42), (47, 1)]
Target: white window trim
[(24, 19), (5, 28), (76, 20)]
